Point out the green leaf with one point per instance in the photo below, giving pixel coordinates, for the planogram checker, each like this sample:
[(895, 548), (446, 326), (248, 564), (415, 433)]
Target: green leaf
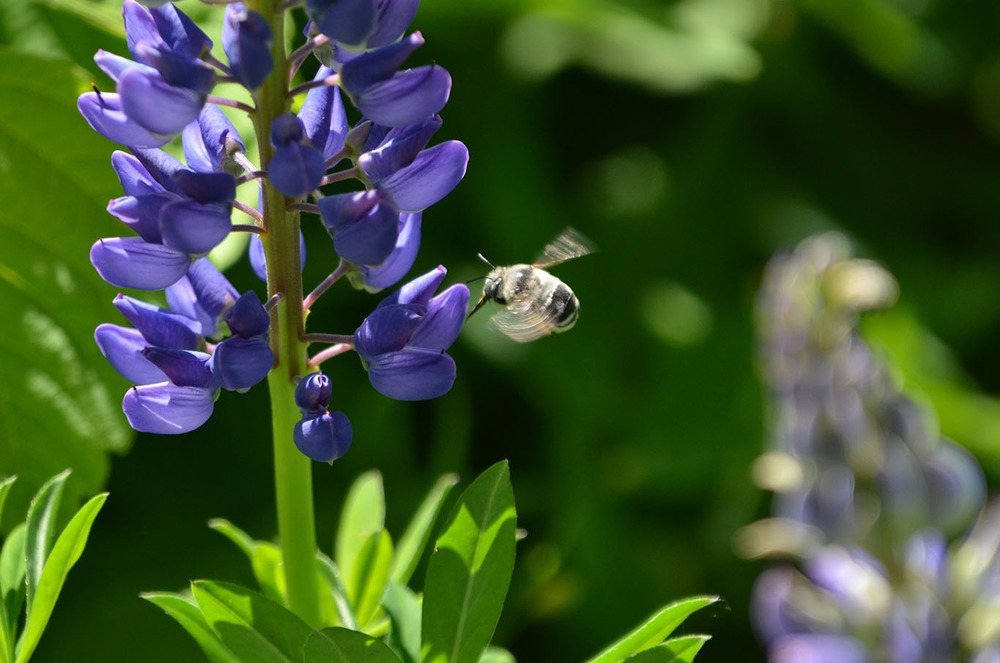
[(371, 573), (331, 576), (497, 655), (675, 650), (251, 626), (418, 532), (265, 558), (61, 397), (653, 631), (340, 645), (5, 485), (12, 589), (469, 572), (66, 551), (186, 613), (403, 608), (41, 530), (362, 516)]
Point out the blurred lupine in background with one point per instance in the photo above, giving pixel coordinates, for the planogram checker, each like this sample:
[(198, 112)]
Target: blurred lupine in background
[(873, 507)]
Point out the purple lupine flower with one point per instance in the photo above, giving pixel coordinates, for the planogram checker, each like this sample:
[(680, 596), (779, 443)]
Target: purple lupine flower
[(347, 21), (321, 435), (402, 342), (247, 41), (245, 358), (399, 261), (211, 141), (323, 117), (296, 168), (364, 225)]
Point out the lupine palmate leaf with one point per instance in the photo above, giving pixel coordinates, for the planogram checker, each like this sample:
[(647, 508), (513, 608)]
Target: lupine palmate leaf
[(363, 515), (371, 573), (340, 645), (469, 571), (61, 398), (187, 614), (403, 608), (253, 628), (66, 551), (418, 532), (675, 650), (40, 531), (654, 630)]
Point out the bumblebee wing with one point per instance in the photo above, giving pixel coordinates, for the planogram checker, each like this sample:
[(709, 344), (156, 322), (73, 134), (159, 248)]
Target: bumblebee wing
[(568, 245), (523, 321)]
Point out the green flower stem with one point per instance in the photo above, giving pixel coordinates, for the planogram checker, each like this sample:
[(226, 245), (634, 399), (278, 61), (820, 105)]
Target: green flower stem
[(292, 470)]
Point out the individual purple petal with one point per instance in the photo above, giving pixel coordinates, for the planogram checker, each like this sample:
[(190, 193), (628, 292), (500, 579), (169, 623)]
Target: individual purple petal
[(157, 106), (394, 16), (178, 71), (387, 329), (240, 363), (161, 167), (247, 317), (115, 65), (314, 392), (131, 262), (956, 485), (444, 319), (400, 260), (133, 176), (158, 326), (363, 71), (139, 27), (193, 228), (179, 32), (398, 149), (122, 347), (431, 176), (323, 116), (247, 41), (204, 295), (347, 21), (412, 374), (167, 409), (184, 368), (210, 142), (142, 214), (323, 436), (296, 169), (407, 97), (363, 225), (206, 187), (418, 291), (103, 112), (286, 129)]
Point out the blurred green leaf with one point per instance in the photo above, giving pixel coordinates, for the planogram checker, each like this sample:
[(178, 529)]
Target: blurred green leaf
[(65, 553), (403, 608), (340, 645), (12, 589), (40, 531), (414, 540), (371, 573), (61, 397), (5, 485), (251, 626), (187, 614), (676, 650), (470, 570), (363, 514), (497, 655), (653, 631)]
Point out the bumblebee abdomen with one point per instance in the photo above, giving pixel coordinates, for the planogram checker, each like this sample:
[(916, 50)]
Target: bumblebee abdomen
[(564, 306)]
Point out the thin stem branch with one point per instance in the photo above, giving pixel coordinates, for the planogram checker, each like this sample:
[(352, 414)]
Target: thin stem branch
[(299, 55), (349, 174), (334, 276), (329, 353), (328, 338), (332, 79), (232, 103), (308, 208), (246, 228), (252, 213)]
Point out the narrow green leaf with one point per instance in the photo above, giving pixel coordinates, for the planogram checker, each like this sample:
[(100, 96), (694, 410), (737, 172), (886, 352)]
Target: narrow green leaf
[(497, 655), (5, 485), (66, 551), (243, 541), (362, 516), (12, 588), (331, 575), (403, 608), (675, 650), (186, 613), (251, 626), (371, 573), (654, 630), (340, 645), (418, 532), (41, 524), (469, 572)]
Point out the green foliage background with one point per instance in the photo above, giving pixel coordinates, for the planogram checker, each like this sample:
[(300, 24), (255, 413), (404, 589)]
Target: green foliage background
[(689, 140)]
